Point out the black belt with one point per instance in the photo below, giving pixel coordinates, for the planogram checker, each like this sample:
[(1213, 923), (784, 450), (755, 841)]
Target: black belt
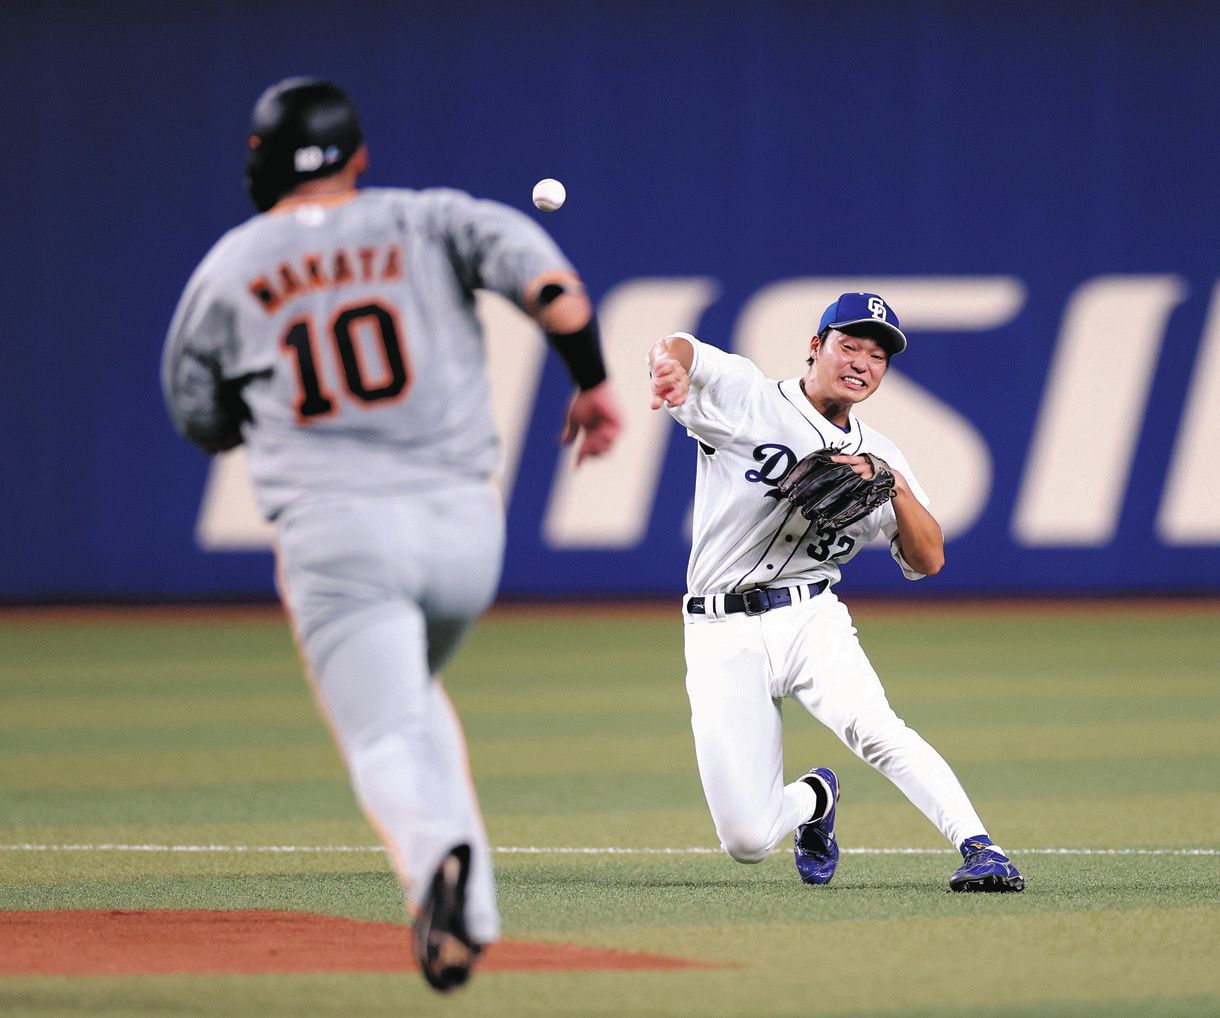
[(753, 602)]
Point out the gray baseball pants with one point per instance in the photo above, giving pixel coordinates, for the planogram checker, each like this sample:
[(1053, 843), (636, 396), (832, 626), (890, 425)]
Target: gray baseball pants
[(381, 591)]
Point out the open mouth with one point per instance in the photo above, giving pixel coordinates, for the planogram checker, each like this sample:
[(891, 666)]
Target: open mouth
[(852, 382)]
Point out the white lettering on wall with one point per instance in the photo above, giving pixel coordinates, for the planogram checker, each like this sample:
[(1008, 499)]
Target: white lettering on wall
[(1093, 410), (1190, 513), (1086, 432), (229, 518)]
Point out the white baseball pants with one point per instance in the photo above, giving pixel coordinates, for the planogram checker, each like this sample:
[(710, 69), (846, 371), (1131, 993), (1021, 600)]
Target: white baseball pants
[(740, 668)]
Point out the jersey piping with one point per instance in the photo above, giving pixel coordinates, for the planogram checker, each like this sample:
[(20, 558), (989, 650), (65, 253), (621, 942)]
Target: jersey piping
[(796, 546), (825, 445)]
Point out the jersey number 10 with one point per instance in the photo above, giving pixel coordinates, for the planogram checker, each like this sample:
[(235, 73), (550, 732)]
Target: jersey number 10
[(355, 332)]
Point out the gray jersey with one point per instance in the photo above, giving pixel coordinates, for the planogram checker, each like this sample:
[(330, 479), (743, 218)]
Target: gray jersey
[(349, 329)]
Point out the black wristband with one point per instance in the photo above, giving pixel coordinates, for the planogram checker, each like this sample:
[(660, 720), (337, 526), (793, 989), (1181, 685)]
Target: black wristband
[(550, 293), (581, 352)]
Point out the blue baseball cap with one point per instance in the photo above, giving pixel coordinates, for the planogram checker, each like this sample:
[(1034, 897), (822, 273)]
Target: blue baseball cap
[(871, 316)]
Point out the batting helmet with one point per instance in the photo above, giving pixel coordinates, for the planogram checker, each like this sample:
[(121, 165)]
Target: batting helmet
[(302, 129)]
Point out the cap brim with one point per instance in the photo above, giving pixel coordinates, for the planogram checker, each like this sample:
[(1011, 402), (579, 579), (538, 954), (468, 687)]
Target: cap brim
[(889, 336)]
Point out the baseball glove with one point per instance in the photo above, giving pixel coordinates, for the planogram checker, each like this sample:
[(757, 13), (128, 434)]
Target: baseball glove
[(832, 495)]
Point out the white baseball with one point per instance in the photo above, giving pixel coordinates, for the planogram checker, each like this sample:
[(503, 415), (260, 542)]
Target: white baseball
[(549, 195)]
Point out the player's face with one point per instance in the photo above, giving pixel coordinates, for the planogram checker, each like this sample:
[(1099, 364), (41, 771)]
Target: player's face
[(846, 368)]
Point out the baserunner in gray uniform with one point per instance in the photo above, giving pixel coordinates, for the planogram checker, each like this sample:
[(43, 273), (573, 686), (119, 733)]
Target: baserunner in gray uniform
[(335, 336)]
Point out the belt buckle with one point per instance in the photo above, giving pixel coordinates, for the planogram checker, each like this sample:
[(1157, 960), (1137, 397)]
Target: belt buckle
[(764, 602)]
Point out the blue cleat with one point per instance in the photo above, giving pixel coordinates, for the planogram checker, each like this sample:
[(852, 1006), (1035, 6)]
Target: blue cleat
[(986, 868), (817, 852)]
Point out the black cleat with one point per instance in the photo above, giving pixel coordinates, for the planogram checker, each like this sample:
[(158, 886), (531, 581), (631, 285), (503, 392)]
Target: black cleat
[(445, 951)]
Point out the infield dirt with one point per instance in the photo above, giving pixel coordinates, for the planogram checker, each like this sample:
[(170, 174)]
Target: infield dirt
[(95, 942)]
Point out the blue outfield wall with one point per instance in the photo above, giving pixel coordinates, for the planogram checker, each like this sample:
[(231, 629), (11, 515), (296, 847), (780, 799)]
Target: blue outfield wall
[(1033, 186)]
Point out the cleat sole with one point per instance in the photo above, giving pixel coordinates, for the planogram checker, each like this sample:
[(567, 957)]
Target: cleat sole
[(445, 952)]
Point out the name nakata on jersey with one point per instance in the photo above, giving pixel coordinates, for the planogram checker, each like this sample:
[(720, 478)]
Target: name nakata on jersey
[(324, 271)]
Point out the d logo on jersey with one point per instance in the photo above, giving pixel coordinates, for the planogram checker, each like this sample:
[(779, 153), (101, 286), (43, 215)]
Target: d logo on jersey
[(776, 461)]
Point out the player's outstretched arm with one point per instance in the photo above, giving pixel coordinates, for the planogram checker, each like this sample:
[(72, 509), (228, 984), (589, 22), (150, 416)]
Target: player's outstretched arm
[(669, 363), (557, 301)]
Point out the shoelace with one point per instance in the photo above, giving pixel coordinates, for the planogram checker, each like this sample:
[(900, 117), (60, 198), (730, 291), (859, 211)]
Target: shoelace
[(979, 852)]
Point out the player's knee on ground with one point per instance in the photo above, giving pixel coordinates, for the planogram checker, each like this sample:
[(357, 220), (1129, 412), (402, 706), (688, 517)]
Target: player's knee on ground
[(745, 845)]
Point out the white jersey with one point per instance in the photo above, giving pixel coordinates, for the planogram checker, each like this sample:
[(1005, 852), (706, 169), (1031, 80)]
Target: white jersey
[(349, 329), (750, 430)]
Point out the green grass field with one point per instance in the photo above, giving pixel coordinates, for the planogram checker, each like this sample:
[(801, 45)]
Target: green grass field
[(1088, 740)]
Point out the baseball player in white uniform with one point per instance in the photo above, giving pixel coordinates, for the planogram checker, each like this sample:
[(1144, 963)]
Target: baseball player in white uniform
[(762, 621), (335, 336)]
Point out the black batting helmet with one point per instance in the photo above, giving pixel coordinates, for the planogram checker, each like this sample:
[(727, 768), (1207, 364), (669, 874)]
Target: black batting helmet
[(302, 129)]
